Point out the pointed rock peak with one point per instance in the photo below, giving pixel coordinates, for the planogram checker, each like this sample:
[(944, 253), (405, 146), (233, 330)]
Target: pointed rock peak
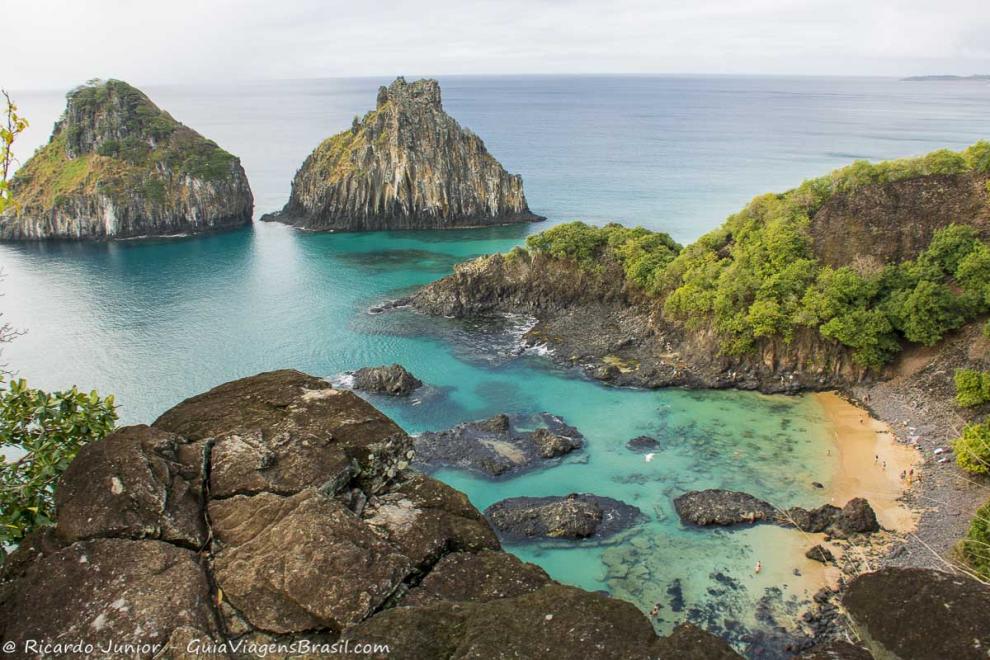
[(425, 92), (108, 111)]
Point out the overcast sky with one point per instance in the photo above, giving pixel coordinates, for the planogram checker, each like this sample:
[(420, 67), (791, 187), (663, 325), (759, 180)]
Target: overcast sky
[(56, 43)]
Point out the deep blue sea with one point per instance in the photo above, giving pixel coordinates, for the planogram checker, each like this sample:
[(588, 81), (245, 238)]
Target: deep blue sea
[(156, 321)]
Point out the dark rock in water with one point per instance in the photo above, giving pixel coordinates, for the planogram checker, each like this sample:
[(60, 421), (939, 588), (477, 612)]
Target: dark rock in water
[(920, 614), (398, 303), (817, 484), (393, 380), (819, 553), (496, 447), (812, 521), (552, 445), (407, 164), (643, 443), (309, 527), (856, 517), (837, 650), (721, 507), (117, 166), (689, 642), (575, 516)]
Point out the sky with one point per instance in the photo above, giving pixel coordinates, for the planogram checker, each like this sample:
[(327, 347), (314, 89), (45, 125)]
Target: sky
[(55, 44)]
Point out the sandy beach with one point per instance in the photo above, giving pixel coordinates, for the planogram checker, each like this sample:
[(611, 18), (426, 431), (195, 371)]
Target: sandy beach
[(871, 462)]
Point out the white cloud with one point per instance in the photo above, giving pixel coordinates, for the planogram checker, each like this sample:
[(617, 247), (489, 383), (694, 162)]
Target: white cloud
[(55, 44)]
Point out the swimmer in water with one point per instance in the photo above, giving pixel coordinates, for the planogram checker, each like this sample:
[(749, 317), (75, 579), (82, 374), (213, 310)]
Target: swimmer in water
[(759, 567)]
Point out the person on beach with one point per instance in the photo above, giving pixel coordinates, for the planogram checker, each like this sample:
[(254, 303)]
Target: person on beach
[(876, 457)]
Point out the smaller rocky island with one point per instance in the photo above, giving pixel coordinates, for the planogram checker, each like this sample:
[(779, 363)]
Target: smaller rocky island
[(118, 166), (406, 164), (498, 446), (392, 380), (574, 516)]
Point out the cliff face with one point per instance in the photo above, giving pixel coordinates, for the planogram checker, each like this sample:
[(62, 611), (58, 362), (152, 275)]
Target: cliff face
[(596, 322), (117, 166), (892, 222), (406, 165)]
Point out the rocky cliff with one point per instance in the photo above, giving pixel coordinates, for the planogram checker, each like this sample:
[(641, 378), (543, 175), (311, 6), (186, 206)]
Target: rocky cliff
[(117, 166), (407, 164), (276, 516)]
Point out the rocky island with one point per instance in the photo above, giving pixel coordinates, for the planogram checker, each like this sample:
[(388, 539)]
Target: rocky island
[(117, 166), (406, 164)]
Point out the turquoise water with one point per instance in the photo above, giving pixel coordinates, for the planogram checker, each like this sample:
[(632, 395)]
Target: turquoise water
[(157, 321)]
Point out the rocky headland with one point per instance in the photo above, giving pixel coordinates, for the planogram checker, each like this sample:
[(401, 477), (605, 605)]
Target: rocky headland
[(117, 166), (407, 164)]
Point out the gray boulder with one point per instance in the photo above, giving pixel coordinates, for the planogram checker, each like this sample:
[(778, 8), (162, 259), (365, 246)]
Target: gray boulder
[(392, 380), (575, 516)]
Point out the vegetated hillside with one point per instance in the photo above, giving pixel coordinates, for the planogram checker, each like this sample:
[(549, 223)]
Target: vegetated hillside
[(118, 166), (867, 256)]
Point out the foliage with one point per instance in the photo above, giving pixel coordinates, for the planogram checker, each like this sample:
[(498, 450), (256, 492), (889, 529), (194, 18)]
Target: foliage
[(114, 140), (972, 387), (973, 448), (757, 277), (40, 434), (14, 125), (643, 254), (975, 546)]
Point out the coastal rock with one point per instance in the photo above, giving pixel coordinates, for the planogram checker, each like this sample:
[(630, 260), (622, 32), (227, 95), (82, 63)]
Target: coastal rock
[(819, 553), (290, 554), (837, 650), (313, 586), (285, 431), (407, 164), (721, 507), (117, 166), (689, 642), (393, 380), (477, 577), (856, 517), (812, 521), (575, 516), (643, 443), (920, 614), (106, 591), (494, 447), (133, 484)]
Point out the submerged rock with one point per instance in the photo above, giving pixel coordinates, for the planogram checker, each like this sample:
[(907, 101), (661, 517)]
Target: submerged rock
[(407, 164), (642, 444), (308, 529), (496, 447), (575, 516), (721, 507), (393, 380), (920, 614), (117, 166)]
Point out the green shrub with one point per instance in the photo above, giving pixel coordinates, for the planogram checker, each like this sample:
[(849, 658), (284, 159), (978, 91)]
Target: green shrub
[(972, 387), (40, 434), (975, 546), (973, 448)]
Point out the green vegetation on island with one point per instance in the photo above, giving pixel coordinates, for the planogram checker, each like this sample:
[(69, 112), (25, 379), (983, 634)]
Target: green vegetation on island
[(972, 387), (113, 139), (757, 276), (974, 548)]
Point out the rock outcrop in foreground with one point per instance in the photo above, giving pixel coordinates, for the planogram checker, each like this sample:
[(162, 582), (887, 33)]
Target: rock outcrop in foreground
[(406, 165), (276, 515), (574, 516), (117, 166)]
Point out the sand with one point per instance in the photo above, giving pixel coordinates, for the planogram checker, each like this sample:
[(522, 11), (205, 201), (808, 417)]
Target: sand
[(870, 462)]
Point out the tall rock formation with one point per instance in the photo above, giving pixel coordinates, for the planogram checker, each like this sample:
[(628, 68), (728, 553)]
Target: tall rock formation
[(406, 165), (117, 166)]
